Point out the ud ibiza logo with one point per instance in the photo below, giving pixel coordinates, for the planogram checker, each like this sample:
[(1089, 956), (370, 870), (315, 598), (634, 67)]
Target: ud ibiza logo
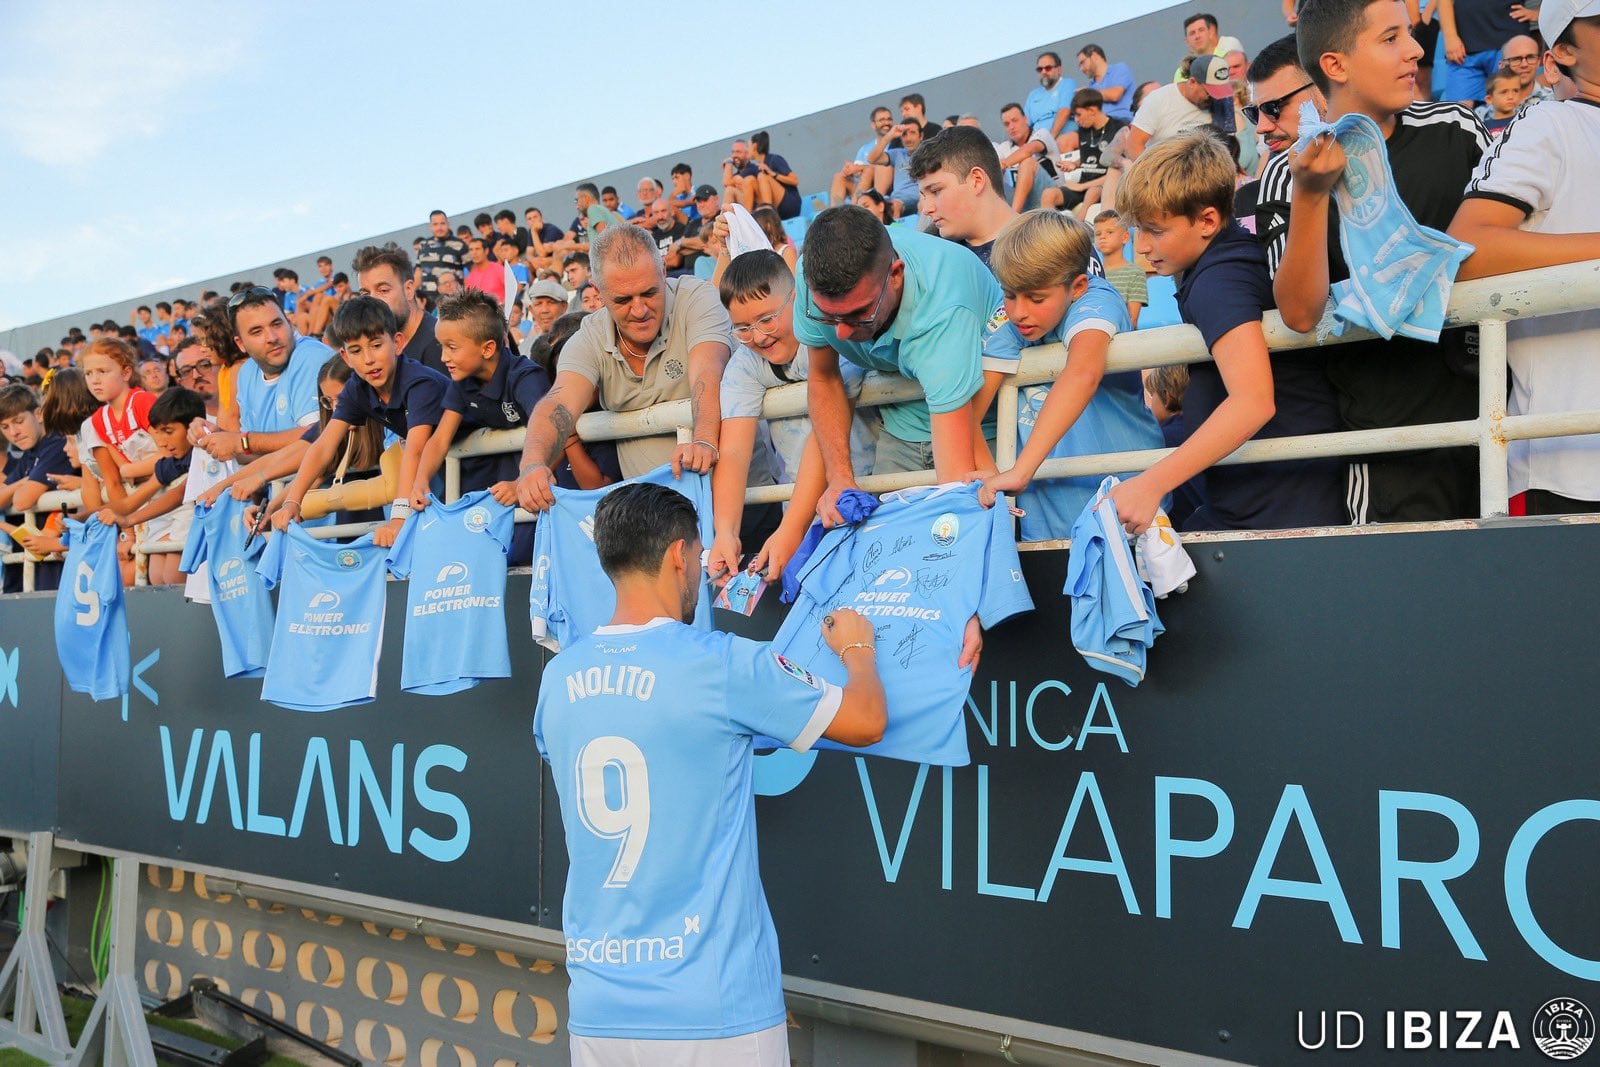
[(349, 559), (1563, 1029), (509, 410), (477, 519), (452, 573), (945, 529), (327, 600)]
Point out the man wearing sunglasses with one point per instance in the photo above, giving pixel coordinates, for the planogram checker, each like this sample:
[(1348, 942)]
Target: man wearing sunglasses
[(1279, 86), (1049, 105), (275, 396)]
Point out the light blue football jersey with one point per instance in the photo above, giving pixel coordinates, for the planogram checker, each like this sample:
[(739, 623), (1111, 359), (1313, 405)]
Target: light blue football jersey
[(570, 594), (240, 602), (91, 624), (1114, 620), (455, 558), (921, 565), (648, 732), (329, 630)]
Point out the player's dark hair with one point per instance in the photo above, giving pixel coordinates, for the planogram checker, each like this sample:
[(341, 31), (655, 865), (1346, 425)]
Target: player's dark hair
[(177, 407), (754, 276), (958, 150), (635, 525), (1209, 20), (361, 317), (506, 215), (482, 218), (844, 244), (479, 312)]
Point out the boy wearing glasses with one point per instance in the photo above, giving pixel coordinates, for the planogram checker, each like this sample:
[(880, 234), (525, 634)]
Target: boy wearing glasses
[(758, 290)]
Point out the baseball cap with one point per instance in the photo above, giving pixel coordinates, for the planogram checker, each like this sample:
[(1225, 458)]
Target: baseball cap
[(705, 192), (1556, 15), (1212, 72), (548, 289)]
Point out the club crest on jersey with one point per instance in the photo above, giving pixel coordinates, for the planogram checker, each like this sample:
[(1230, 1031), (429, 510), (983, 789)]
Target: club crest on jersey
[(477, 519), (283, 403), (509, 410), (348, 558), (794, 670), (945, 529)]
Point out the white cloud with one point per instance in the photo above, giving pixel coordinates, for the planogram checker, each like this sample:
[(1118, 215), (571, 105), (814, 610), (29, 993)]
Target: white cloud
[(132, 67)]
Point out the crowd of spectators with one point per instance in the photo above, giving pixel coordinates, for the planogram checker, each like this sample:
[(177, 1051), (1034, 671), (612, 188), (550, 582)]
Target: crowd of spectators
[(927, 255)]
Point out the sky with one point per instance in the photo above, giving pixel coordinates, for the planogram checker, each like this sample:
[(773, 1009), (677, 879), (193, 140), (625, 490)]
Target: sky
[(143, 147)]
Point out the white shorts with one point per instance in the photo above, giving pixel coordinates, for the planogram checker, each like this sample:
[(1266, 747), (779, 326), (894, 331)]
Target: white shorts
[(764, 1048)]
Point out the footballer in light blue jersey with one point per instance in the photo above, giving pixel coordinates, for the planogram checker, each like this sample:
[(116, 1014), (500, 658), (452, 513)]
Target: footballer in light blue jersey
[(240, 602), (91, 625), (569, 595), (648, 730), (329, 630), (926, 561), (648, 725), (455, 557)]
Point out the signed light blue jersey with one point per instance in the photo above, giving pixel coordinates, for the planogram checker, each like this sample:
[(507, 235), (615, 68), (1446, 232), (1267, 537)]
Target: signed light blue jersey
[(240, 602), (918, 568), (91, 625), (570, 594), (330, 620), (455, 557), (648, 732)]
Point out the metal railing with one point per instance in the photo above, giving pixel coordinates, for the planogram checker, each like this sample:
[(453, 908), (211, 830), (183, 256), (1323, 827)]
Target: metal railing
[(1488, 303)]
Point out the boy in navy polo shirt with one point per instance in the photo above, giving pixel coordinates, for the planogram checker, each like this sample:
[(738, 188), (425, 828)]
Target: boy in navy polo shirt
[(1180, 192), (491, 387), (404, 395), (35, 454)]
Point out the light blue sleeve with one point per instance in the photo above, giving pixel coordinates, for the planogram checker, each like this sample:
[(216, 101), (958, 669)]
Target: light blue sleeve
[(1099, 308), (1002, 344), (770, 696), (1005, 593), (854, 376), (541, 593), (270, 565), (195, 549), (405, 546), (742, 391)]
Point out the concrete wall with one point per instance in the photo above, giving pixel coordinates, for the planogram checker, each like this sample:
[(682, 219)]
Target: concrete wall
[(815, 145)]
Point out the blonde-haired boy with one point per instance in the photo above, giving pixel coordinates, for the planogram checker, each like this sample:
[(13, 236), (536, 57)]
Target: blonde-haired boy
[(1180, 195)]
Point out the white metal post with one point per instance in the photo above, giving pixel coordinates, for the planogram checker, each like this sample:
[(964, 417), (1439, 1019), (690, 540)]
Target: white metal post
[(1494, 487), (116, 1034), (30, 1010)]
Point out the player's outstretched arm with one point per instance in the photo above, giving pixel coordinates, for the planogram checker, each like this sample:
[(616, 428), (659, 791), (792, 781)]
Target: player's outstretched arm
[(862, 713)]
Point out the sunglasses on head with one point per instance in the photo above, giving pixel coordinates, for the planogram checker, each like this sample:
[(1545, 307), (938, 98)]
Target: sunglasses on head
[(1273, 109), (256, 294)]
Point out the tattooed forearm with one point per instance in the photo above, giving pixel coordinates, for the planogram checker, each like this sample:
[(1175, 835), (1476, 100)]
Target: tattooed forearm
[(563, 423), (697, 394)]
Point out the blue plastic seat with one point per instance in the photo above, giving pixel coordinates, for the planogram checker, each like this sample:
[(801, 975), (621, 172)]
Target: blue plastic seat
[(1163, 307), (796, 229), (704, 266)]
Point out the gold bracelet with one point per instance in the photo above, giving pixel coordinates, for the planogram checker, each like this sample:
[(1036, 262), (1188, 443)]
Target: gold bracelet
[(857, 644)]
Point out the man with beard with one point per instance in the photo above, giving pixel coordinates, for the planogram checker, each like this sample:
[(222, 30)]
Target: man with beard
[(386, 274), (443, 251), (275, 393), (656, 339)]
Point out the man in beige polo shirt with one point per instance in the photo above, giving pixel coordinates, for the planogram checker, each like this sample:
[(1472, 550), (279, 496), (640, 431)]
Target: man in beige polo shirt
[(656, 339)]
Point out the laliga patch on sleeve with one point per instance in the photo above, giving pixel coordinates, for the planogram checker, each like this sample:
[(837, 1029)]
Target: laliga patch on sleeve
[(794, 670), (741, 593)]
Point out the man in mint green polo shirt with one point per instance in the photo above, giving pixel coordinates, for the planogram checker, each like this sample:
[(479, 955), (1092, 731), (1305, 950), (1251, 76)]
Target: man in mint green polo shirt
[(900, 302)]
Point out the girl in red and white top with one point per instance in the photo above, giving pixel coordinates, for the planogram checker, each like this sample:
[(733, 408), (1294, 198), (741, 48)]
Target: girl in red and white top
[(116, 438)]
